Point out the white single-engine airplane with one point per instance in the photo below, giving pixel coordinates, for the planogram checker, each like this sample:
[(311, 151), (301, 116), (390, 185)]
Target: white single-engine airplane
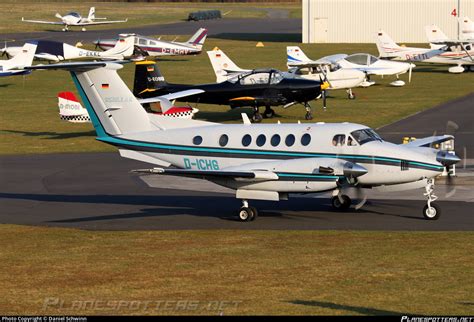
[(259, 161), (72, 111), (155, 47), (366, 63), (225, 68), (57, 51), (16, 65), (456, 52), (73, 19)]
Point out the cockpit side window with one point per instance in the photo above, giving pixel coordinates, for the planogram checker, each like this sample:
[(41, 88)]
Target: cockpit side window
[(373, 59), (338, 140), (257, 78), (142, 41), (365, 135), (276, 78)]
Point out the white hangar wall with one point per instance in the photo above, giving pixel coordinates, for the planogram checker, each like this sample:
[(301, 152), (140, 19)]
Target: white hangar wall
[(357, 21)]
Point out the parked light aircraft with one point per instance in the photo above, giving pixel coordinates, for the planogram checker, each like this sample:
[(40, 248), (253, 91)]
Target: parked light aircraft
[(74, 19), (57, 51), (225, 68), (16, 65), (259, 87), (72, 111), (155, 47), (365, 63), (451, 53), (438, 39), (259, 161)]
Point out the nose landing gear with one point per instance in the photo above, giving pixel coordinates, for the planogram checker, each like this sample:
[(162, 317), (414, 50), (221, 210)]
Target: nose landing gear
[(431, 211)]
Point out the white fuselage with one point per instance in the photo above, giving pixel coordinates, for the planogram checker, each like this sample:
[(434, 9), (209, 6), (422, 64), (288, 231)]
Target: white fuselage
[(434, 56), (386, 163)]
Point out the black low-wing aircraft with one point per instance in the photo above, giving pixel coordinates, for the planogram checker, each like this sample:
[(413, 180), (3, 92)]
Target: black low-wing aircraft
[(260, 87)]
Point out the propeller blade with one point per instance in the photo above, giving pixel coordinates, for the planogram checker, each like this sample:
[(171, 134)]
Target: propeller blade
[(361, 196), (57, 15), (409, 73)]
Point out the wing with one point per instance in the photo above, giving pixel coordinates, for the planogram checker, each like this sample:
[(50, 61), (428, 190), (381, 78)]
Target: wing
[(429, 141), (44, 22), (256, 175), (327, 60), (172, 96), (98, 22)]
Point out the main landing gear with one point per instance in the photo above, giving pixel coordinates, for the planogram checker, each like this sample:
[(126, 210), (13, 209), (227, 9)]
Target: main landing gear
[(65, 28), (257, 117), (431, 211), (341, 202), (247, 213), (309, 111), (350, 95)]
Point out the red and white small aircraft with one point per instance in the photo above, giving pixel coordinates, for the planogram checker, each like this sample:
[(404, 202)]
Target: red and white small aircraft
[(75, 19), (72, 111), (156, 47)]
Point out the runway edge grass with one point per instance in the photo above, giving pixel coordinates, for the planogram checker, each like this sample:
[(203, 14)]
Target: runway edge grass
[(266, 272)]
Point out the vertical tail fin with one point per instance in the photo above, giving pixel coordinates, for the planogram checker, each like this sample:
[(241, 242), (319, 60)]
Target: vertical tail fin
[(123, 48), (70, 109), (198, 38), (385, 44), (435, 34), (23, 58), (148, 78), (467, 28), (111, 105), (294, 54), (91, 15), (224, 68)]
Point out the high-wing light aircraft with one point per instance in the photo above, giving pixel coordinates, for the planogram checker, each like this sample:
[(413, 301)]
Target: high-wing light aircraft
[(259, 161), (72, 111), (225, 68), (16, 65), (73, 19), (260, 87), (155, 47), (451, 53), (57, 51)]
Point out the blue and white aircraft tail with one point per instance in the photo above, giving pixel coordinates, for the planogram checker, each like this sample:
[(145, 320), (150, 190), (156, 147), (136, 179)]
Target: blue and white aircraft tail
[(295, 56)]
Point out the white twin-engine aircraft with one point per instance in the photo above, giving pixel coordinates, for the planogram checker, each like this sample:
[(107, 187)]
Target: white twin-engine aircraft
[(58, 51), (73, 19), (362, 62), (259, 161), (17, 64)]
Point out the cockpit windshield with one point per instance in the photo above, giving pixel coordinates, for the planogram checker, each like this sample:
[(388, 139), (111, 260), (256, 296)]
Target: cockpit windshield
[(74, 14), (365, 135)]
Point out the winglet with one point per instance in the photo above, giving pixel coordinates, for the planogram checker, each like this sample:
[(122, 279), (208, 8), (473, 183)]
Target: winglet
[(245, 119)]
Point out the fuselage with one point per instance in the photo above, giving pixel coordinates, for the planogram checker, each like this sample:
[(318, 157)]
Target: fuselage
[(299, 147), (154, 47)]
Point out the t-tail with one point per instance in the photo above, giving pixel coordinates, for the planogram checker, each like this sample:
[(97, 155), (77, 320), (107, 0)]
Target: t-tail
[(23, 58), (198, 39), (223, 66), (435, 35), (386, 46), (70, 109), (294, 55), (148, 78), (91, 15)]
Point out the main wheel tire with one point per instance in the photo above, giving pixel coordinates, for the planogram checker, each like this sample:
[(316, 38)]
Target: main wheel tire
[(255, 213), (308, 116), (246, 214), (269, 113), (257, 118), (351, 96), (338, 205), (431, 213)]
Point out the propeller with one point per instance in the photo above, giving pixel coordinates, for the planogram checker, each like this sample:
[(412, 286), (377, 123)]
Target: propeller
[(57, 15), (410, 71)]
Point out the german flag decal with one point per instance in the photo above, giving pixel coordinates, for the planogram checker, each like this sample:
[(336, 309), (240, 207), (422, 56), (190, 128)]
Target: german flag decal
[(105, 86), (150, 68)]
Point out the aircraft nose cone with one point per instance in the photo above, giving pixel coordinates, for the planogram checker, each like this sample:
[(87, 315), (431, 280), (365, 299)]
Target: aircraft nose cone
[(353, 170), (446, 158)]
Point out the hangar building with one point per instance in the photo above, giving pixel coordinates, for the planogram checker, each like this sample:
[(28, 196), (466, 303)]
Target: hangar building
[(357, 21)]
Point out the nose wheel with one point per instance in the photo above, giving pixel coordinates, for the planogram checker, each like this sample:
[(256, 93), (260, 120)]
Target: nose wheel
[(431, 211), (247, 213)]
